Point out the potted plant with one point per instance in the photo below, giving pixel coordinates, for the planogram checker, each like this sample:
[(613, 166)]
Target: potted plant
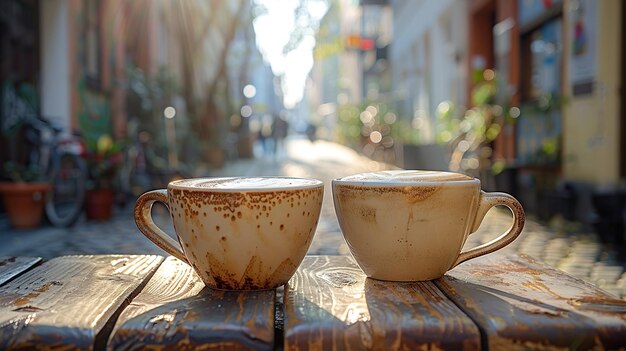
[(103, 160), (470, 135), (24, 193)]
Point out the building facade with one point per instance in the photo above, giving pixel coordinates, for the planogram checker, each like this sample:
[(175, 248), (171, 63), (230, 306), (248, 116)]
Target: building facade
[(427, 58), (558, 69), (558, 64), (102, 67)]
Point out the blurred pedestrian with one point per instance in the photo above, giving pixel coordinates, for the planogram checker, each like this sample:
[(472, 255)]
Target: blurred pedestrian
[(265, 133), (281, 128), (311, 132)]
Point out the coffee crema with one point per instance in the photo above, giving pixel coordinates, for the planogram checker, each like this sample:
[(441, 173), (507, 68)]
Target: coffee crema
[(406, 176), (245, 183)]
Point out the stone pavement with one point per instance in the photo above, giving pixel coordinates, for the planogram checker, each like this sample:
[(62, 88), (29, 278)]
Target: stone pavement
[(562, 245)]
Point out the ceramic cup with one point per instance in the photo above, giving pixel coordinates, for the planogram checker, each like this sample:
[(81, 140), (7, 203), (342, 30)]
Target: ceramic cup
[(411, 225), (237, 233)]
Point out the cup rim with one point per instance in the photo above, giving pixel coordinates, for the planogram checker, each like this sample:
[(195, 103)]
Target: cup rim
[(316, 184), (392, 183)]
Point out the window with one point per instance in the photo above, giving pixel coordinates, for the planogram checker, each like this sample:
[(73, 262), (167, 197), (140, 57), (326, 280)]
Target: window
[(541, 61), (539, 126), (92, 43)]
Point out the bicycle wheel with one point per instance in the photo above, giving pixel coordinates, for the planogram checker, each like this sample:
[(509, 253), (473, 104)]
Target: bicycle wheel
[(65, 201)]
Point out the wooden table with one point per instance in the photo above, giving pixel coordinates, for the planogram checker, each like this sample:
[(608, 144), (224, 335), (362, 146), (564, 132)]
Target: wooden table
[(122, 302)]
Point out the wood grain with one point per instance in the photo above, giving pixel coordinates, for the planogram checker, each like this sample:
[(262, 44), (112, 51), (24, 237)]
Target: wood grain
[(522, 304), (176, 311), (331, 305), (68, 302), (10, 267)]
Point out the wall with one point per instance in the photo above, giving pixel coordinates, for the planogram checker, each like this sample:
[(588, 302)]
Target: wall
[(591, 133), (336, 76), (55, 72), (427, 57)]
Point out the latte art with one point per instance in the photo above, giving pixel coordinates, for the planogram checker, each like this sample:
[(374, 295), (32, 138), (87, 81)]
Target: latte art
[(405, 176), (245, 183)]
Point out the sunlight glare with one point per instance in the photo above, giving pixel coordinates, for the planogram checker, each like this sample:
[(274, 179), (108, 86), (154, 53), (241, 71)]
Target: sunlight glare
[(273, 30)]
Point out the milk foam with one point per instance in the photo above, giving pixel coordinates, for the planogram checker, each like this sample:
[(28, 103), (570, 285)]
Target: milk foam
[(406, 176), (246, 183)]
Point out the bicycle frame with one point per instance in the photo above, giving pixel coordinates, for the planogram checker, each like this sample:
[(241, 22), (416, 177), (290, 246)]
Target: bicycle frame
[(59, 154)]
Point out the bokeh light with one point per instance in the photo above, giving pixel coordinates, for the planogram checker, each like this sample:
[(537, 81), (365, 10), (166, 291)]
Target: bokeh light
[(169, 112), (235, 121), (372, 110), (246, 111), (463, 146), (369, 149), (390, 118), (387, 142), (489, 74), (376, 137), (249, 91), (514, 112), (367, 118)]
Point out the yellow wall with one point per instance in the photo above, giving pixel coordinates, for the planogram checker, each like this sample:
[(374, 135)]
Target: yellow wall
[(591, 144)]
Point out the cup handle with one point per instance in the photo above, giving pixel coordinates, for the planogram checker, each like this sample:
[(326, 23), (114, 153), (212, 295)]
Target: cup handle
[(487, 201), (143, 219)]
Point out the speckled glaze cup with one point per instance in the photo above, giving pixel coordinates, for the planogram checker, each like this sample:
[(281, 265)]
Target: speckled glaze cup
[(237, 233), (411, 225)]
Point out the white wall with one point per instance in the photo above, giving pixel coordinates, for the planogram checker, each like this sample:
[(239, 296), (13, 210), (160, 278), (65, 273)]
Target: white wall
[(55, 61)]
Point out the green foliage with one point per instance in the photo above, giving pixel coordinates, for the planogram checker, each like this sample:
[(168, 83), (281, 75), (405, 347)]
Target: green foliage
[(147, 97), (546, 103), (18, 104), (543, 114), (348, 131), (357, 121), (104, 157), (94, 116), (403, 131), (17, 172), (471, 134)]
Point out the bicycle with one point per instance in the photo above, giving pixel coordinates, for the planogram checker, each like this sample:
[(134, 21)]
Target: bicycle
[(57, 154), (141, 169)]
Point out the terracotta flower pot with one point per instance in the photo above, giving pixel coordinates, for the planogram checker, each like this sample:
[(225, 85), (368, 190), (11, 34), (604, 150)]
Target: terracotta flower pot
[(99, 204), (24, 202)]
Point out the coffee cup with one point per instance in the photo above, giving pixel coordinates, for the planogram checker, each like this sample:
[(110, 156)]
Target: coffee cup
[(404, 225), (245, 233)]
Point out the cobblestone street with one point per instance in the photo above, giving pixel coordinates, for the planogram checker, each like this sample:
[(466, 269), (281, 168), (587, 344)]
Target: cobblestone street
[(565, 245)]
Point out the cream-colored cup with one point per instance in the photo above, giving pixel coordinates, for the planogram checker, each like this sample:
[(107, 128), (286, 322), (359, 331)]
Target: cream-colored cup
[(411, 225), (237, 233)]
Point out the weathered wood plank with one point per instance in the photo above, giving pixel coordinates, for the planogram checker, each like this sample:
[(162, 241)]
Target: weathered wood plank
[(174, 280), (10, 267), (176, 311), (331, 305), (522, 304), (67, 302)]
